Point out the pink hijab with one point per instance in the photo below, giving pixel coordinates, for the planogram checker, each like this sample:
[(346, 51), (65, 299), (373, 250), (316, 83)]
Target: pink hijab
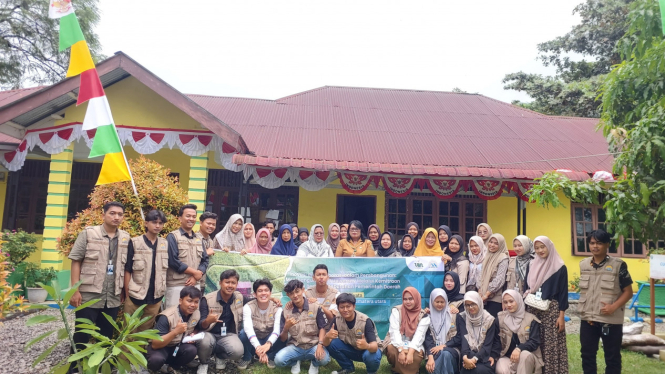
[(540, 268), (249, 242), (257, 248)]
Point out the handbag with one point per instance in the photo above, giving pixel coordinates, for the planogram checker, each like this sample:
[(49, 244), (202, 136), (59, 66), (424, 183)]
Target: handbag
[(536, 302)]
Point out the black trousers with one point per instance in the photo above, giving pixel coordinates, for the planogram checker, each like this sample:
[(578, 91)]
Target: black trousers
[(589, 336), (493, 308), (158, 357), (98, 319)]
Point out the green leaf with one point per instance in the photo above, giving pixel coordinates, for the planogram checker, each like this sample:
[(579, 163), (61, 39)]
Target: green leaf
[(86, 326), (89, 303), (106, 368), (50, 290), (137, 355), (111, 321), (646, 193), (39, 319), (37, 340), (63, 369), (45, 354), (124, 364), (84, 320), (69, 295), (38, 307), (62, 333), (96, 358)]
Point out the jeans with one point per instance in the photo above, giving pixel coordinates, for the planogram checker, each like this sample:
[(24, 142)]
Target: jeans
[(345, 354), (444, 363), (227, 347), (250, 350), (589, 336), (289, 355)]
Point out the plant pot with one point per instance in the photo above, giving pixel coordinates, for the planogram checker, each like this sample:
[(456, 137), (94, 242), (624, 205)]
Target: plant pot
[(37, 295), (573, 295)]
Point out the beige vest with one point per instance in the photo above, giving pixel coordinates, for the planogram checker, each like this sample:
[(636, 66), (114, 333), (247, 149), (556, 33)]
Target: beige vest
[(487, 324), (263, 323), (497, 296), (96, 260), (217, 308), (173, 316), (600, 285), (329, 297), (190, 252), (349, 336), (506, 336), (511, 277), (305, 333), (142, 267)]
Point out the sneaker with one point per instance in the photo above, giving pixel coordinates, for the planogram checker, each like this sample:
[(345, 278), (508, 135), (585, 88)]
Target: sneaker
[(220, 364), (295, 369), (203, 369), (242, 364), (313, 369), (271, 364), (345, 372), (194, 363)]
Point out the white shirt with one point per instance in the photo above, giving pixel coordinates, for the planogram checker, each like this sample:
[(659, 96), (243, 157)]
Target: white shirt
[(248, 326), (396, 337)]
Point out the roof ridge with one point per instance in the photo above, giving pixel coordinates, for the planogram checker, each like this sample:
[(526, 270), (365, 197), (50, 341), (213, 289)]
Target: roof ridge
[(229, 97), (374, 88), (23, 89)]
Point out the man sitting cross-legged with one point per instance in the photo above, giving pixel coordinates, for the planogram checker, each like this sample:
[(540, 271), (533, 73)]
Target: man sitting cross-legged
[(353, 337)]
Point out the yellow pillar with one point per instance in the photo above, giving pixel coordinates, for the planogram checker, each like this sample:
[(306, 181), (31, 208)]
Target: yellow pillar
[(198, 182), (57, 201)]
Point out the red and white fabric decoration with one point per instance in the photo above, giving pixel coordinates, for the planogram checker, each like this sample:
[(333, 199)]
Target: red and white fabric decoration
[(521, 189), (53, 142), (602, 175), (313, 180), (444, 188), (398, 186), (14, 160), (355, 183), (487, 189), (270, 178)]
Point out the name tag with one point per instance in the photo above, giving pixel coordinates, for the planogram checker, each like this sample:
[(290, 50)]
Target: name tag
[(539, 295), (109, 269)]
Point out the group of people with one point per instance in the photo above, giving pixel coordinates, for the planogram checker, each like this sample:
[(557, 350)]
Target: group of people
[(498, 310)]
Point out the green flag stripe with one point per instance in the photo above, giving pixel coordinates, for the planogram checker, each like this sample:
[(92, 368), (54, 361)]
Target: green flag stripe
[(662, 14), (106, 141), (70, 31)]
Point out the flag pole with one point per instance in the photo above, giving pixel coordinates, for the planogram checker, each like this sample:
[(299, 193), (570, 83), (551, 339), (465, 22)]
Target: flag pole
[(131, 178)]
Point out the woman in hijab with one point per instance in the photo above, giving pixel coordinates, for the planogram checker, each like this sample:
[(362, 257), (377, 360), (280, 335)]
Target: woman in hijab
[(451, 284), (294, 228), (442, 342), (284, 244), (548, 278), (263, 244), (523, 247), (357, 244), (406, 247), (484, 231), (493, 274), (412, 229), (344, 231), (477, 252), (453, 257), (249, 236), (230, 239), (445, 234), (315, 246), (477, 334), (406, 334), (519, 332), (387, 246), (303, 237), (374, 234), (429, 244), (333, 237)]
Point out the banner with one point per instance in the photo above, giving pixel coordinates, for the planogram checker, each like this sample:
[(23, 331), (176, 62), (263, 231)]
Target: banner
[(377, 283)]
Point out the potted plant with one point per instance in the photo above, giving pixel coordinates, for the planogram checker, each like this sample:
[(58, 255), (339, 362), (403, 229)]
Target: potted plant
[(34, 274), (17, 245), (574, 289)]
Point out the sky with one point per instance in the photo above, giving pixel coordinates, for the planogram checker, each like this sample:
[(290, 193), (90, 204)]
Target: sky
[(274, 48)]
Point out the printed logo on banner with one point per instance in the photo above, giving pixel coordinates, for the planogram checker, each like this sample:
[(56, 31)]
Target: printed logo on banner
[(425, 263)]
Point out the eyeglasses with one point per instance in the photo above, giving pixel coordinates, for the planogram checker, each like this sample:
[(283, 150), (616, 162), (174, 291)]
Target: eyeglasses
[(318, 233), (354, 230)]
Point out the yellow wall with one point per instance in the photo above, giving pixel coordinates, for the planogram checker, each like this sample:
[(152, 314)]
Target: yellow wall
[(173, 159), (3, 196), (502, 217), (321, 206)]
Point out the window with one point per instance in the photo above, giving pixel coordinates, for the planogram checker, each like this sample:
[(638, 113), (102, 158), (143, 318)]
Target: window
[(26, 197), (587, 218), (462, 215), (84, 177)]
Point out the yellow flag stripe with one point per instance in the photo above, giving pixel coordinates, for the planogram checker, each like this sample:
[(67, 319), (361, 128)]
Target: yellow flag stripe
[(114, 169), (80, 59)]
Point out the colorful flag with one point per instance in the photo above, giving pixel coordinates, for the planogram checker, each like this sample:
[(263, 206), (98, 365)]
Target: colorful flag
[(60, 8)]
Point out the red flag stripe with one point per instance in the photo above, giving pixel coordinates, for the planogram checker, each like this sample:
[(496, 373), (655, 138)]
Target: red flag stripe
[(90, 86)]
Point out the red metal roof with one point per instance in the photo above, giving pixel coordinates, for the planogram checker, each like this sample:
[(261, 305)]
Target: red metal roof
[(10, 96), (409, 132)]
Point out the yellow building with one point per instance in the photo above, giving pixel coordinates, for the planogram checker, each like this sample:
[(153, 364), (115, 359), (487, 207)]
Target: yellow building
[(331, 154)]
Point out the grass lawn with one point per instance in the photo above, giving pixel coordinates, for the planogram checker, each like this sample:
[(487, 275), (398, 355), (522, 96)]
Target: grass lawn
[(633, 362)]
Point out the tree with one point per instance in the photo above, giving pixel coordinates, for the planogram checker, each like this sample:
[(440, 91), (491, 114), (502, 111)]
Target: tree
[(574, 89), (29, 42), (633, 119), (156, 188)]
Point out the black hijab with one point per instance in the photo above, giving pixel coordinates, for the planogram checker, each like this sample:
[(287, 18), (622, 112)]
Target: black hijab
[(403, 251), (459, 255), (297, 241), (381, 252), (444, 245), (375, 243), (415, 238), (454, 294)]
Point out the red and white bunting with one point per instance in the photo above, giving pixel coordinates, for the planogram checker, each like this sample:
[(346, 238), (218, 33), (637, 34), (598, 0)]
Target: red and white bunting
[(444, 188), (14, 160), (487, 189), (398, 186), (270, 178), (602, 175), (355, 183), (313, 180), (521, 189)]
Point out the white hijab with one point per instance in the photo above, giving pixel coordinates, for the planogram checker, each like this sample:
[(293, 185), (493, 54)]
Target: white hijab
[(311, 248), (227, 239), (440, 320), (474, 323)]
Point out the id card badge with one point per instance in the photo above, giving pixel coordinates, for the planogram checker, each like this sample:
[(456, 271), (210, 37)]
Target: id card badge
[(223, 329), (109, 269), (175, 351), (539, 295)]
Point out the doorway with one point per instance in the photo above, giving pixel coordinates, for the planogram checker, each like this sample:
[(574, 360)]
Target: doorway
[(361, 208)]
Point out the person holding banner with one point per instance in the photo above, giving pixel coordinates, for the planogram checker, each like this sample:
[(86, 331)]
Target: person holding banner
[(406, 246), (262, 245), (479, 335), (353, 337), (429, 244), (284, 245), (387, 246), (188, 259), (406, 334), (323, 294), (231, 238), (303, 328), (315, 246), (357, 244), (442, 343)]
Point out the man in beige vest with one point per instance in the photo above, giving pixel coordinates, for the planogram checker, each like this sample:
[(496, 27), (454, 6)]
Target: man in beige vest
[(261, 328), (97, 262), (145, 270), (208, 222), (188, 259), (353, 337), (173, 324), (303, 324), (605, 288), (323, 294)]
